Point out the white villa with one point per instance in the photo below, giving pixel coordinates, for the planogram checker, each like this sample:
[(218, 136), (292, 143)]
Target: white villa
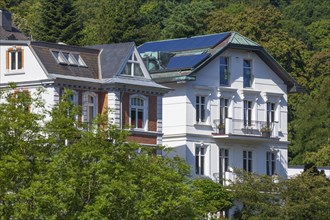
[(228, 108)]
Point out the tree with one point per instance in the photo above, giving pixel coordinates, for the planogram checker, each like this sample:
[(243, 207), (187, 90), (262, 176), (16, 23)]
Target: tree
[(187, 20), (305, 196), (213, 198), (57, 171), (22, 149), (58, 21)]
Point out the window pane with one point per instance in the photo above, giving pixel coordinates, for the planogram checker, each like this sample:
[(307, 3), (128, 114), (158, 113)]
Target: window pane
[(13, 60), (19, 59), (140, 118), (127, 69), (137, 70), (203, 113), (90, 113), (202, 165), (133, 117)]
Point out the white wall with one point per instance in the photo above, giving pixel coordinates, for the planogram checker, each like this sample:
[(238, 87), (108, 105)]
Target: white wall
[(179, 115), (31, 71)]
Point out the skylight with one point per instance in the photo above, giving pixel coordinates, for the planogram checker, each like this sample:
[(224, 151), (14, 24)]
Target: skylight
[(68, 58)]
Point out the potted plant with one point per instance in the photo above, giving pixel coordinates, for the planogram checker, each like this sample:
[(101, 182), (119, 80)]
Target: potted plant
[(221, 128), (265, 131)]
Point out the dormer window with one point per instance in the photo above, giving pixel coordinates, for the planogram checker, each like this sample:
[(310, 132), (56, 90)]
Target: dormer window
[(79, 59), (60, 57), (132, 67), (15, 59), (68, 58)]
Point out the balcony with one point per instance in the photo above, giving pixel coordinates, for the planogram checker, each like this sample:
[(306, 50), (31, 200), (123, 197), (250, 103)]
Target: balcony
[(237, 128)]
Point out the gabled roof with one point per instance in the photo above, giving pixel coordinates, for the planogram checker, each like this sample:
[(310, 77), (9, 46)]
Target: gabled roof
[(113, 57), (182, 63), (104, 63)]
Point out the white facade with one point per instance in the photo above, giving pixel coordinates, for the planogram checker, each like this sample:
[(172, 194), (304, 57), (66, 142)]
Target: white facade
[(184, 134)]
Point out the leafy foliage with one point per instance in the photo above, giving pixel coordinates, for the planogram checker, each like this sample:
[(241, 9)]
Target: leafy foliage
[(57, 171), (302, 197)]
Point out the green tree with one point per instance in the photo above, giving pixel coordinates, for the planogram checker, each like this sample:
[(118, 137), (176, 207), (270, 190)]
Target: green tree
[(187, 20), (22, 147), (305, 196), (213, 197), (58, 21)]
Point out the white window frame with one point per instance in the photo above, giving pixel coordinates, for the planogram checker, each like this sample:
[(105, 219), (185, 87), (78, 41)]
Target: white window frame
[(246, 112), (251, 73), (226, 67), (200, 159), (270, 163), (87, 106), (247, 160), (200, 108), (15, 52), (145, 108), (224, 109), (133, 61), (270, 113)]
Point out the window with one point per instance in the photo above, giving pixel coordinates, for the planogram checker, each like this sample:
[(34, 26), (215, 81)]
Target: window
[(224, 106), (224, 71), (223, 163), (270, 163), (247, 161), (91, 108), (14, 59), (270, 113), (200, 160), (132, 67), (80, 61), (247, 73), (200, 109), (247, 113), (138, 109), (69, 58)]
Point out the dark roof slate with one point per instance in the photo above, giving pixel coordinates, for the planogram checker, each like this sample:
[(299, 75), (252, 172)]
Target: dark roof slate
[(14, 34), (114, 57), (90, 57)]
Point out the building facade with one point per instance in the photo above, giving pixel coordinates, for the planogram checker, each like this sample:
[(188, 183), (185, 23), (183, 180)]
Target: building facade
[(228, 106), (105, 79)]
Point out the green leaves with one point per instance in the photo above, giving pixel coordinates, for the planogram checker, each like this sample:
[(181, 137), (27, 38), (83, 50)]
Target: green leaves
[(54, 170)]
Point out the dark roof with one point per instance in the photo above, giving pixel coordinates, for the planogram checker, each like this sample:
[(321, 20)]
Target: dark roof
[(182, 44), (90, 57), (114, 57), (14, 34), (184, 56)]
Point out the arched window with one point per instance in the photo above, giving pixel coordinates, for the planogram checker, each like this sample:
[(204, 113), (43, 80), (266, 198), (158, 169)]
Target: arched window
[(138, 112), (90, 107)]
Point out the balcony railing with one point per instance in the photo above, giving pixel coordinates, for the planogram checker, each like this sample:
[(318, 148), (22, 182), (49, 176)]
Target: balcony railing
[(231, 126)]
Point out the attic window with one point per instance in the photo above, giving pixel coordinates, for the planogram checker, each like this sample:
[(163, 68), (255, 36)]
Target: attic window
[(59, 57), (68, 58), (132, 67), (79, 59)]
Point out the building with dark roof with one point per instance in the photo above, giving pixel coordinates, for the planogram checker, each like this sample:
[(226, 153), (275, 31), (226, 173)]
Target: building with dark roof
[(228, 107), (105, 79)]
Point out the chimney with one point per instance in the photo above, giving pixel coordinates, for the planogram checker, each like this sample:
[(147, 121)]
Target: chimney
[(5, 20)]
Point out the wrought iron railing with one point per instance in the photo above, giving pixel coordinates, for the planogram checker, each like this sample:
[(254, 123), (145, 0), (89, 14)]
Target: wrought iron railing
[(246, 127)]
